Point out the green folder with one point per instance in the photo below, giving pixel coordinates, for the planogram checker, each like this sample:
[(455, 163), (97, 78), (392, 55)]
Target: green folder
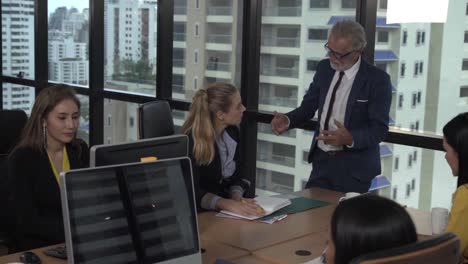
[(298, 204)]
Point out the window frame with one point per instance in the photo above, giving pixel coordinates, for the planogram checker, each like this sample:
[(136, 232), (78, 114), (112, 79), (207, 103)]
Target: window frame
[(249, 73), (319, 7)]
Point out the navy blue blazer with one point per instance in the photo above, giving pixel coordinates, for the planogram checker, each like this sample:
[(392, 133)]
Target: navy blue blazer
[(209, 179), (366, 117)]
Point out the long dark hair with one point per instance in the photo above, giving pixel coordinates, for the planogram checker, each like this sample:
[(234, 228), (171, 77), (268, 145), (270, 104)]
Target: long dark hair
[(33, 133), (369, 223), (456, 135)]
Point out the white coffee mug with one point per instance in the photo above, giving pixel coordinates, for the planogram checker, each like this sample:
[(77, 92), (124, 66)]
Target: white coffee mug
[(349, 195), (439, 219)]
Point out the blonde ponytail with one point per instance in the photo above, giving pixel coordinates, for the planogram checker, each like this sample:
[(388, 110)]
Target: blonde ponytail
[(205, 103)]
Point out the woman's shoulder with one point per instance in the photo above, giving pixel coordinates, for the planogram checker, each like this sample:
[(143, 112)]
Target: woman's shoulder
[(23, 153), (462, 190)]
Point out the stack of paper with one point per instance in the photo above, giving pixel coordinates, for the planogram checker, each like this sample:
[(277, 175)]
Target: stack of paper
[(278, 207), (268, 220), (268, 203)]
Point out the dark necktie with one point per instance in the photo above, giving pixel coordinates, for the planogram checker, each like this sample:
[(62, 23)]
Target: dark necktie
[(332, 100)]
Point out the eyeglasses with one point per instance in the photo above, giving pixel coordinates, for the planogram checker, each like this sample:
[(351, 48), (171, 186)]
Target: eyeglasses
[(336, 54)]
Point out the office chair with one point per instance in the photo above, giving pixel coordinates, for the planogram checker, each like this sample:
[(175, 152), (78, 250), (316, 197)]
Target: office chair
[(444, 248), (11, 126), (155, 120)]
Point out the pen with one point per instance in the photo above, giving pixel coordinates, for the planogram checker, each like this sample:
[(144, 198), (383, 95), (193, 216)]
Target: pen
[(281, 217)]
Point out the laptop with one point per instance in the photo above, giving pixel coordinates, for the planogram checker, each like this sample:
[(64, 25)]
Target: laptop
[(131, 213)]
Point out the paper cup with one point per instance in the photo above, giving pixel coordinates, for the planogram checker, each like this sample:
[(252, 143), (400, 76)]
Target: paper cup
[(439, 220), (349, 195)]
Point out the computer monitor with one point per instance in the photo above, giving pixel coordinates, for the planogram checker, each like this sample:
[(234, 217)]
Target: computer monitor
[(131, 213), (161, 148)]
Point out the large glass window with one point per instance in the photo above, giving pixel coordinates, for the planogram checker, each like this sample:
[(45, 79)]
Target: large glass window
[(18, 52), (320, 3), (179, 119), (130, 46), (17, 96), (430, 73), (424, 99), (120, 121), (426, 172), (68, 42), (383, 4), (464, 91), (83, 130), (348, 3), (207, 45), (285, 74), (318, 34), (18, 38), (382, 36)]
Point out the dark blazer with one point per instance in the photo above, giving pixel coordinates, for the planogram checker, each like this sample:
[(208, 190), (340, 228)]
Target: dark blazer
[(209, 179), (366, 117), (35, 196)]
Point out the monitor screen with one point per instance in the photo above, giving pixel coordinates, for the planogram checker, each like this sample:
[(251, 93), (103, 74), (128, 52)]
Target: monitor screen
[(131, 213), (160, 148)]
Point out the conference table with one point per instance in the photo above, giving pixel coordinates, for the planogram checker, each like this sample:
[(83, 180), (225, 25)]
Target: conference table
[(298, 238)]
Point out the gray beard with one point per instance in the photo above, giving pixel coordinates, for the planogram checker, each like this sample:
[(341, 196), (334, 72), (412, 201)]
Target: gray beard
[(339, 68)]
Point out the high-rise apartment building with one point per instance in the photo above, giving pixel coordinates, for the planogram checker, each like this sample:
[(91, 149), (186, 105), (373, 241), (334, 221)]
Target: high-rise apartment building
[(130, 27), (207, 48), (18, 51), (68, 60), (427, 64)]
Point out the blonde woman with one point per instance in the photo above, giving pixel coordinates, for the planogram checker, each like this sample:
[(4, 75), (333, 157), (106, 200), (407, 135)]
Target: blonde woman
[(215, 113)]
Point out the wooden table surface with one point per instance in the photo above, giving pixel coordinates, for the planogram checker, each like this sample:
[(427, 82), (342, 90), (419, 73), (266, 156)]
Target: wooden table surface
[(298, 250), (39, 251), (244, 241)]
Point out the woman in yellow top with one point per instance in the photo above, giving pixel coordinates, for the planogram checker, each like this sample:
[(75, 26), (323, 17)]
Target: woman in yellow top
[(456, 147), (48, 146)]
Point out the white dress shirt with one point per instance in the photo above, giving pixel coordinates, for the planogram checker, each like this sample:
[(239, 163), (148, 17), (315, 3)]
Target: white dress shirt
[(339, 106)]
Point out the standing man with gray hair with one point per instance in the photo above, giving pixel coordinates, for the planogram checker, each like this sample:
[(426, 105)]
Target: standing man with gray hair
[(353, 101)]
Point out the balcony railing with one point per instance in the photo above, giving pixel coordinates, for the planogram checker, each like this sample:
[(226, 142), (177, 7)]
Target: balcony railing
[(280, 42), (218, 66), (281, 71), (219, 38), (179, 36), (277, 159), (178, 63), (220, 11), (293, 11), (279, 101), (180, 10)]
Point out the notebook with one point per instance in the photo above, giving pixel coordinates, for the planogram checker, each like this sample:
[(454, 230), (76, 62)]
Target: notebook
[(268, 203)]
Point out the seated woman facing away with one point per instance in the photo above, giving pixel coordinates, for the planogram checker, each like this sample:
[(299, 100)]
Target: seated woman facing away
[(48, 146), (214, 149), (456, 147), (366, 224)]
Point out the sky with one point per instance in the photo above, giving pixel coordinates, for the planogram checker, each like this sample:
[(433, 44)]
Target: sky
[(79, 4)]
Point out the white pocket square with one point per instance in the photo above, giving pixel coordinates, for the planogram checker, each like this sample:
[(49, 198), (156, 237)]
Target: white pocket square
[(362, 101)]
